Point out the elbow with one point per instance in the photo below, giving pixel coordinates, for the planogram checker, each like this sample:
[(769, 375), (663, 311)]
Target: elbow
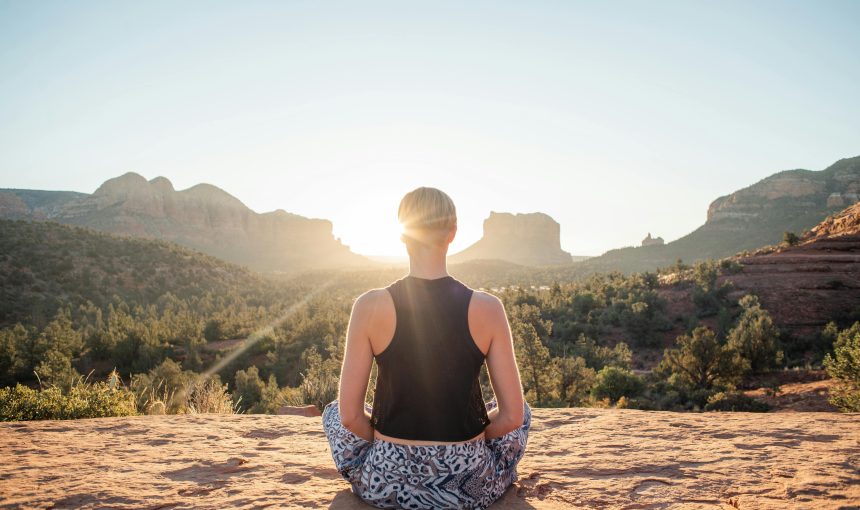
[(516, 418), (513, 416), (349, 418)]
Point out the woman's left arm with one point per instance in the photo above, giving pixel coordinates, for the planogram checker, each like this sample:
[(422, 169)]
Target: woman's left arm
[(357, 362)]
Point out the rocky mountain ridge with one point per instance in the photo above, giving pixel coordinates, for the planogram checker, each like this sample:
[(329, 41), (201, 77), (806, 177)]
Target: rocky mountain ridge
[(835, 187), (755, 216), (203, 217)]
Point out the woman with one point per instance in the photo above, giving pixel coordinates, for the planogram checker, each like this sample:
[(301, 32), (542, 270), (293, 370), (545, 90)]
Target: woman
[(429, 440)]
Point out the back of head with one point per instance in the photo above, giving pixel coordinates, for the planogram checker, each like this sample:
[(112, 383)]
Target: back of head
[(428, 216)]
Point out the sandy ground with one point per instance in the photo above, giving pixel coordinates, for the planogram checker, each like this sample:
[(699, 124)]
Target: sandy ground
[(576, 458)]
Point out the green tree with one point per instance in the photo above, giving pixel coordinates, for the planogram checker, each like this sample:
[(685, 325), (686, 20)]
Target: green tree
[(790, 238), (707, 295), (320, 378), (59, 336), (14, 344), (531, 314), (613, 383), (534, 361), (755, 336), (57, 370), (844, 366), (598, 356), (575, 379), (705, 275), (255, 395), (701, 362)]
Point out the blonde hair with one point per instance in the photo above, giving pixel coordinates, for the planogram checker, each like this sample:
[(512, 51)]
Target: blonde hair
[(427, 215)]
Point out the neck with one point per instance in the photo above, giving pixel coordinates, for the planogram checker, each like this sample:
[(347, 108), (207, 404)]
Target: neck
[(428, 264)]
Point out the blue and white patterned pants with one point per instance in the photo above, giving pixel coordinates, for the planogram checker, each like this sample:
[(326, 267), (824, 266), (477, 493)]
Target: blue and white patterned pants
[(469, 475)]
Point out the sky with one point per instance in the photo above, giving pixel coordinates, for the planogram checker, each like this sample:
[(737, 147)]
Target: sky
[(616, 118)]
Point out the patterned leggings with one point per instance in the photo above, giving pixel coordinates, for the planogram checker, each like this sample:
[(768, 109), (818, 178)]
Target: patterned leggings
[(469, 475)]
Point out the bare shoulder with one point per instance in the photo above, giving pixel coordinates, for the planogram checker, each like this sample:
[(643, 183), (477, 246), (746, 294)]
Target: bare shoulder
[(377, 308), (486, 318), (371, 296), (486, 305), (373, 300)]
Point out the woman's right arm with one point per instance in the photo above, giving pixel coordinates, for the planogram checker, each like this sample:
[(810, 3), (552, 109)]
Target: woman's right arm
[(504, 374)]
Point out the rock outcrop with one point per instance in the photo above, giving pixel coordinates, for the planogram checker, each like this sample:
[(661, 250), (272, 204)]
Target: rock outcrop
[(578, 458), (807, 285), (532, 239), (203, 217), (844, 224), (652, 241)]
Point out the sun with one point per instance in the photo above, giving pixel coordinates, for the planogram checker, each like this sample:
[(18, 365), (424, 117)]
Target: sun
[(376, 237)]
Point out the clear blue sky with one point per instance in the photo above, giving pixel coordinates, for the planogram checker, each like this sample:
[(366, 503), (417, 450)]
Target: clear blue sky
[(615, 118)]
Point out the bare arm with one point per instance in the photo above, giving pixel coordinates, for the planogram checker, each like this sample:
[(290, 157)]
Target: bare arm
[(504, 374), (355, 372)]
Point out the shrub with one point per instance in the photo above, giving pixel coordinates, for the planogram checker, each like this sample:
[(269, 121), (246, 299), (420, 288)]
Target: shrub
[(614, 383), (755, 336), (790, 238), (705, 275), (701, 362), (83, 400), (844, 366), (249, 387), (164, 389), (210, 397), (735, 401), (707, 295), (320, 379), (731, 266)]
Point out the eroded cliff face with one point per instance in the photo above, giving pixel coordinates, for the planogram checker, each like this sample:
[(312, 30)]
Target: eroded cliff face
[(531, 239), (206, 218), (837, 186)]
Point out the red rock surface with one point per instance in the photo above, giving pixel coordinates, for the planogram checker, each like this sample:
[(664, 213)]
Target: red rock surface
[(578, 458), (807, 285)]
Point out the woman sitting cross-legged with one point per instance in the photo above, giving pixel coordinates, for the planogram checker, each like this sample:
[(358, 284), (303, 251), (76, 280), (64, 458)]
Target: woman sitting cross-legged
[(429, 440)]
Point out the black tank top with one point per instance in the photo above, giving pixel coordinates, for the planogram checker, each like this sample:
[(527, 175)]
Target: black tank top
[(427, 385)]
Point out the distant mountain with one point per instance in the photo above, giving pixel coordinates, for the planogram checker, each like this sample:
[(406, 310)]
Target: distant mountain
[(758, 215), (531, 239), (203, 217), (34, 204)]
